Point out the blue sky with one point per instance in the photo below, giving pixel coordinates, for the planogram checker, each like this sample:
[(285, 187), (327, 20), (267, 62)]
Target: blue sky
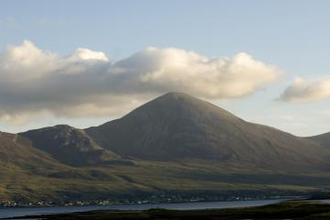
[(291, 35)]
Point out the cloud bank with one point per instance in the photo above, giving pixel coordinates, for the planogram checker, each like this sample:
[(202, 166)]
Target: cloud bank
[(303, 91), (88, 83)]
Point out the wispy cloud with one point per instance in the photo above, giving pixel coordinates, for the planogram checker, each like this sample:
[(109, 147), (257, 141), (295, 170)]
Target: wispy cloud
[(302, 90), (88, 83)]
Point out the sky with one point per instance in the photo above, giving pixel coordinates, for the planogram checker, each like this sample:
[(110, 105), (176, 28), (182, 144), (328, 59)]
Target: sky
[(87, 62)]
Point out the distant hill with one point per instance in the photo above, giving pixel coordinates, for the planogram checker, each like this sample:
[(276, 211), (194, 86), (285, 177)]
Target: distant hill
[(69, 145)]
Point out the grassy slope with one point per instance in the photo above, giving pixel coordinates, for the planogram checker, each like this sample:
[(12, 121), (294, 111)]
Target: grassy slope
[(149, 177)]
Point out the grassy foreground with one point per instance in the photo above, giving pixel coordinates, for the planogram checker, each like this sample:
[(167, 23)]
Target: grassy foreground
[(286, 210)]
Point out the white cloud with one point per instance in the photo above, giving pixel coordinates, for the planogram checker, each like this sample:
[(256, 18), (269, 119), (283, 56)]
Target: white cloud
[(26, 61), (303, 90), (218, 78), (82, 54), (86, 83)]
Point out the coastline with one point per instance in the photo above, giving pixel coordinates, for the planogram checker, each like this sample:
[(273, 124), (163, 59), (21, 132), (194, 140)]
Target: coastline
[(19, 212), (283, 210)]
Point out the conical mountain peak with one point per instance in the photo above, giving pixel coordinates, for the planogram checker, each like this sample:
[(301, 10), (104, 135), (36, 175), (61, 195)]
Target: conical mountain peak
[(181, 106)]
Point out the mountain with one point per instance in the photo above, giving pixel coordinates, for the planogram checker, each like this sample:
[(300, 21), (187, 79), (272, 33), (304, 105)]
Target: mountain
[(69, 145), (175, 146), (177, 126)]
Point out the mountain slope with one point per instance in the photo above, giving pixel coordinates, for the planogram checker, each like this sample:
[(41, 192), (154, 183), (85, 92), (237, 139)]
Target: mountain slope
[(17, 152), (177, 126), (322, 139), (69, 145)]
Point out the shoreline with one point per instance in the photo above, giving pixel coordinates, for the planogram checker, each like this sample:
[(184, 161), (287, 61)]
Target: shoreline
[(19, 212), (301, 209), (156, 203)]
